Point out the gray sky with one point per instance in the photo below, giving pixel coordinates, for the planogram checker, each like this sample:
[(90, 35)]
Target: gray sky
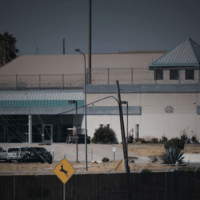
[(117, 25)]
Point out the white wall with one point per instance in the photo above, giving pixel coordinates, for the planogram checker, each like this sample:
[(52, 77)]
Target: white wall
[(154, 121)]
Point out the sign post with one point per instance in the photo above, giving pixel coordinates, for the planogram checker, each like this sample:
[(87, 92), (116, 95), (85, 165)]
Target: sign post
[(64, 172)]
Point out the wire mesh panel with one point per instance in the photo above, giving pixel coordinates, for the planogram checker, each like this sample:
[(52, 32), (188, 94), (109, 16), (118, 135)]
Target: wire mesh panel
[(7, 82), (183, 185), (143, 76), (51, 81), (6, 187), (99, 76), (27, 81), (73, 81), (152, 186), (123, 75)]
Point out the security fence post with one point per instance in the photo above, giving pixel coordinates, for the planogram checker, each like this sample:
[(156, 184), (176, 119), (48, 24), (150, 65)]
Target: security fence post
[(166, 183), (14, 185), (39, 81), (139, 183), (42, 184), (108, 76), (195, 182), (132, 75), (63, 81), (172, 185), (16, 81), (76, 184), (107, 183)]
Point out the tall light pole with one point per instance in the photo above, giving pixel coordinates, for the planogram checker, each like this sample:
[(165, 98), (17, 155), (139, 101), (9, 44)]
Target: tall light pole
[(75, 102), (86, 167)]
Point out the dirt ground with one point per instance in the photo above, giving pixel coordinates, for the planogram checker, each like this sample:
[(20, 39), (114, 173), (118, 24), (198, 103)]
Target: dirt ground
[(142, 149)]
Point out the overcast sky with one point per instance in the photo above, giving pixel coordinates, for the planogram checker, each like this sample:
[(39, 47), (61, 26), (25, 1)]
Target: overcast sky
[(117, 25)]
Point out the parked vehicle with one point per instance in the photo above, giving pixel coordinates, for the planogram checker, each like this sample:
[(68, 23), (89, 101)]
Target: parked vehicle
[(24, 151), (81, 139), (14, 154), (2, 154), (39, 154)]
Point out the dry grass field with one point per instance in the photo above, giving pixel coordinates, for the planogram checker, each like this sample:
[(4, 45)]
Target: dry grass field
[(142, 149)]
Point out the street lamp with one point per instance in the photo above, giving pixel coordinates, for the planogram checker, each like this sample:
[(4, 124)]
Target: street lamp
[(126, 102), (75, 102), (86, 167)]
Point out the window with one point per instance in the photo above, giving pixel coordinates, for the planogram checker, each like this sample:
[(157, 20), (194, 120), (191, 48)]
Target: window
[(174, 74), (159, 74), (189, 74), (137, 131)]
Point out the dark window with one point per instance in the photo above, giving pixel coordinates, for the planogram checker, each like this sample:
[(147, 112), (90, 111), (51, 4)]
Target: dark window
[(13, 149), (159, 74), (189, 74), (174, 74)]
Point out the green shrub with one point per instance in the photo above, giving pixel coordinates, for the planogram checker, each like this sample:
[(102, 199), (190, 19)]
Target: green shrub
[(104, 135), (163, 139), (130, 139), (146, 171), (172, 155), (194, 139), (184, 137), (174, 142), (105, 159), (142, 140), (154, 140)]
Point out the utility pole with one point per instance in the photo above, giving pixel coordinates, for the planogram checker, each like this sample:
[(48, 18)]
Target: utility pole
[(122, 130), (127, 169)]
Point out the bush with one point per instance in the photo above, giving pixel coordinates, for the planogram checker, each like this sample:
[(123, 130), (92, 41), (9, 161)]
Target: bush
[(163, 139), (146, 171), (130, 139), (154, 140), (105, 159), (184, 137), (194, 139), (175, 142), (172, 155), (142, 140), (104, 135)]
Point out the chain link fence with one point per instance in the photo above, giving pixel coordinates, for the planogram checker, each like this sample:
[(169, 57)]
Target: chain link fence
[(61, 81), (102, 76), (165, 185)]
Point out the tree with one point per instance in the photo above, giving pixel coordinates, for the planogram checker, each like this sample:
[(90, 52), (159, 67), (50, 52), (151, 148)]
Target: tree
[(7, 48), (104, 135)]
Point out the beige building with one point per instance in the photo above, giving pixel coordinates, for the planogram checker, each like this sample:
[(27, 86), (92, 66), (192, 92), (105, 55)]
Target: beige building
[(162, 91)]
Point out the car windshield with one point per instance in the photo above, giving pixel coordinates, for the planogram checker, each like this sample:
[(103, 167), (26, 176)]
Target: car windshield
[(23, 149), (13, 149)]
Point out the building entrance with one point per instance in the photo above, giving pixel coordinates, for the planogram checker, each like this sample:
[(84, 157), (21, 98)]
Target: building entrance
[(47, 133)]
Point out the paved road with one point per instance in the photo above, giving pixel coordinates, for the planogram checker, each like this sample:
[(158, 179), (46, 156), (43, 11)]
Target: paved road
[(95, 151)]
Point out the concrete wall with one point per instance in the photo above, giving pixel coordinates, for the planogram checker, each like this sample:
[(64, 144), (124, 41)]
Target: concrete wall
[(154, 121)]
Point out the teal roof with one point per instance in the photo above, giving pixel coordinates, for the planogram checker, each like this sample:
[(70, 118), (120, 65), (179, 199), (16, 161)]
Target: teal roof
[(186, 54), (47, 98), (41, 95)]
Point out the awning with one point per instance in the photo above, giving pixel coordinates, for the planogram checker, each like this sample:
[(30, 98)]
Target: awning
[(38, 102)]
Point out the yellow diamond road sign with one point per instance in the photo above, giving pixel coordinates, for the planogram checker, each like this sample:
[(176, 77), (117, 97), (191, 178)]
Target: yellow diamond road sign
[(64, 170)]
